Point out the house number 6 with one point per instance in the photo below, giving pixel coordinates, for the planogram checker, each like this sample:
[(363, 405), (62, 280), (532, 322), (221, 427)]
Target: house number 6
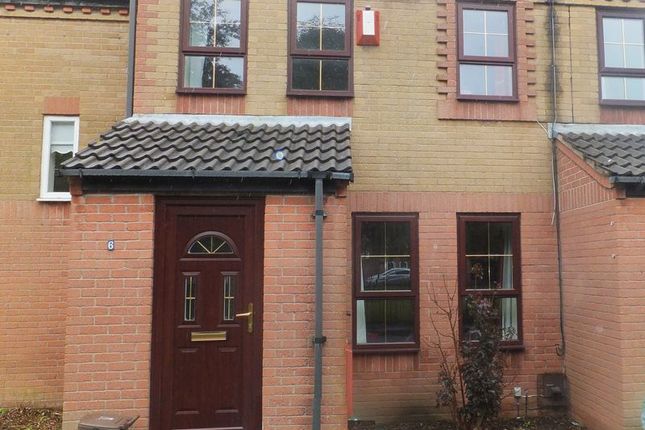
[(110, 245)]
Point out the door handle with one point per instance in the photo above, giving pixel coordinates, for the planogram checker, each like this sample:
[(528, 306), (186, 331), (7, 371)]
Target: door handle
[(249, 317)]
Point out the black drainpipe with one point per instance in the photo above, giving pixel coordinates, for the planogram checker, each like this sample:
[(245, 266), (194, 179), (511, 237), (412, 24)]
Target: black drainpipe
[(561, 348), (318, 339), (129, 95)]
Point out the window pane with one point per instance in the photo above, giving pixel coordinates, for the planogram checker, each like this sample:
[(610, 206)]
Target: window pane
[(229, 11), (230, 282), (614, 55), (305, 74), (501, 239), (506, 320), (308, 26), (507, 310), (385, 273), (308, 38), (62, 132), (229, 72), (472, 79), (635, 56), (473, 21), (228, 35), (333, 39), (385, 257), (333, 16), (613, 88), (474, 44), (384, 321), (497, 22), (58, 183), (499, 80), (496, 45), (320, 26), (335, 75), (633, 31), (478, 273), (635, 88), (198, 72), (202, 14), (612, 30), (476, 238), (501, 272)]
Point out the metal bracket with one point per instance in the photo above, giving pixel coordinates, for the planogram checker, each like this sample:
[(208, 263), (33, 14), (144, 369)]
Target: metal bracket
[(319, 340), (319, 212)]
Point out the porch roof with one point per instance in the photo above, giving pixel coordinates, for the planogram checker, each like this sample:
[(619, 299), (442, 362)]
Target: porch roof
[(617, 151), (212, 146)]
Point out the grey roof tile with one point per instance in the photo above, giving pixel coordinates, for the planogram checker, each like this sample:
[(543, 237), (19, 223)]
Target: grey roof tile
[(146, 146), (615, 154)]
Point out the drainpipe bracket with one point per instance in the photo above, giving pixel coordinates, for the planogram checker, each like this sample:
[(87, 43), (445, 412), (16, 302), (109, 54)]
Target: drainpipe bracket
[(319, 340), (319, 212)]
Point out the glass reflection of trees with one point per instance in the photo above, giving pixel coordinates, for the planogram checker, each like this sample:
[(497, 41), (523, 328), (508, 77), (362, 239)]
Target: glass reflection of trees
[(215, 24)]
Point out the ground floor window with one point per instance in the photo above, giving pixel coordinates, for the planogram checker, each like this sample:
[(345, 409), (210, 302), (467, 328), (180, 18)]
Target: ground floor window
[(386, 279), (489, 266)]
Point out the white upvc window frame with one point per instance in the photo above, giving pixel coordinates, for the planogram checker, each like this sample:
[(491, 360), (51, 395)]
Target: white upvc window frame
[(46, 195)]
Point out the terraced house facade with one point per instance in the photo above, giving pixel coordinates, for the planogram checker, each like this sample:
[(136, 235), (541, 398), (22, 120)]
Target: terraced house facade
[(263, 239)]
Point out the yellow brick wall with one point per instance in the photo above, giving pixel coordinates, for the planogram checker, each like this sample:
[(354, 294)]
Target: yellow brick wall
[(55, 55), (577, 63), (398, 143)]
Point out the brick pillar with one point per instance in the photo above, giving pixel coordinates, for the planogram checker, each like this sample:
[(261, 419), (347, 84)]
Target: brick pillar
[(107, 344)]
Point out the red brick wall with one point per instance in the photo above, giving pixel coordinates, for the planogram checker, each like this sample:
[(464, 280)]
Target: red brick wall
[(289, 312), (591, 294), (387, 387), (32, 313), (109, 298), (630, 232)]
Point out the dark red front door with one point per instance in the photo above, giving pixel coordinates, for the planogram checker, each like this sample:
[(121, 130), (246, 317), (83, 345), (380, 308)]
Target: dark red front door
[(206, 355)]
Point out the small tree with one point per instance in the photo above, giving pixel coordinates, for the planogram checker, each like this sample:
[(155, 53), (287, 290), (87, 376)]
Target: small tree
[(471, 371)]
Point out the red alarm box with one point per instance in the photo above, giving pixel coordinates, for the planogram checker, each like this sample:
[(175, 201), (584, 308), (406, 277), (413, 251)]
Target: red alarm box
[(368, 31)]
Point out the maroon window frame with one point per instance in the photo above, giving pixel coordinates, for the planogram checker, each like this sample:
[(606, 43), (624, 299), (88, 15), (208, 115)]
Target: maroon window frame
[(345, 54), (604, 71), (413, 221), (185, 49), (487, 60), (516, 292)]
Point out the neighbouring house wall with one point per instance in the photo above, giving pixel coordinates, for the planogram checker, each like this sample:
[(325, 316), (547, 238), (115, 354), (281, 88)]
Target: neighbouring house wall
[(33, 263), (630, 233), (576, 61), (54, 62), (593, 302), (396, 386)]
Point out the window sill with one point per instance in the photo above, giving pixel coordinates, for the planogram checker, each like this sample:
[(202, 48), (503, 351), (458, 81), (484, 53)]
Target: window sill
[(211, 92), (321, 94), (57, 199), (512, 348), (384, 349), (502, 99), (623, 103)]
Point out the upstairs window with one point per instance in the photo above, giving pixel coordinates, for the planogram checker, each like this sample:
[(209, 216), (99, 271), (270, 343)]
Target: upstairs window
[(320, 60), (490, 267), (60, 143), (213, 57), (622, 57), (486, 52)]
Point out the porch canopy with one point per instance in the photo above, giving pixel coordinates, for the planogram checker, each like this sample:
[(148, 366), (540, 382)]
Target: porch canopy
[(175, 152)]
